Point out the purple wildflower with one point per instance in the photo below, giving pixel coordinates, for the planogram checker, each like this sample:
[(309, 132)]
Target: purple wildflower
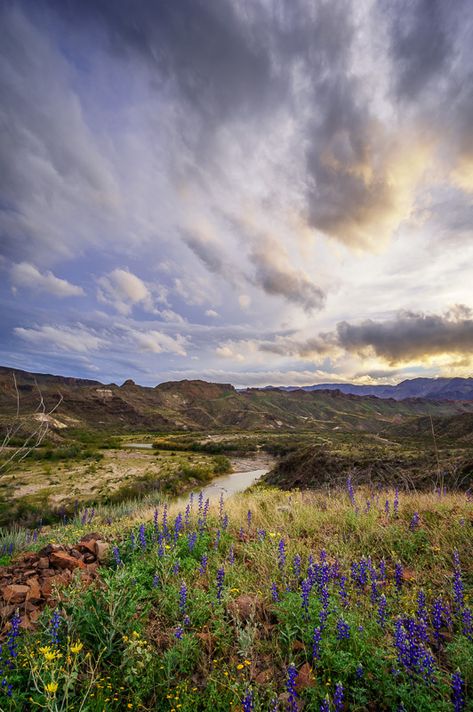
[(179, 632), (386, 507), (116, 556), (343, 591), (338, 697), (305, 593), (220, 580), (191, 540), (325, 705), (343, 630), (247, 702), (183, 598), (54, 627), (155, 581), (359, 672), (414, 522), (382, 605), (274, 592), (396, 502), (316, 641), (291, 688), (351, 491), (296, 565), (231, 556), (248, 518), (203, 564), (458, 699)]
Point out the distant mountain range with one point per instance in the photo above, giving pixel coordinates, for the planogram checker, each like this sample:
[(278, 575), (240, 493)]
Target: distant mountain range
[(198, 405), (428, 388)]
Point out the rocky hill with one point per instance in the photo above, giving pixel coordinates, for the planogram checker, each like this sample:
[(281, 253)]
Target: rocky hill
[(198, 405), (429, 388)]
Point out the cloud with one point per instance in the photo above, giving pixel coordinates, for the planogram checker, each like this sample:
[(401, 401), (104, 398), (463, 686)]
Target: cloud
[(124, 290), (411, 336), (278, 278), (158, 343), (27, 275), (212, 313), (67, 339)]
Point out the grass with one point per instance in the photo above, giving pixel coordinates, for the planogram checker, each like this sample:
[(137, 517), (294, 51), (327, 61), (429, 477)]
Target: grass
[(210, 610)]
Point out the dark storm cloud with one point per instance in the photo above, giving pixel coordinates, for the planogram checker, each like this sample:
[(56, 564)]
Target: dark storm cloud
[(421, 42), (215, 55), (411, 335)]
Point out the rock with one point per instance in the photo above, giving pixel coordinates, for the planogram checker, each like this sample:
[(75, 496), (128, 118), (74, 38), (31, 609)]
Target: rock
[(305, 678), (47, 587), (43, 563), (245, 607), (87, 546), (61, 560), (34, 593), (15, 593), (101, 550)]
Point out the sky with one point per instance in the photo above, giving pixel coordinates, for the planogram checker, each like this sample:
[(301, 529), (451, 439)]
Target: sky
[(246, 191)]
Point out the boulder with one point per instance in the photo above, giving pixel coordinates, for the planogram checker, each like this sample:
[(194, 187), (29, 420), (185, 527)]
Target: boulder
[(15, 593)]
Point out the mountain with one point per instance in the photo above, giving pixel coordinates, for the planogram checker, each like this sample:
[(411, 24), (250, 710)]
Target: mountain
[(198, 405), (428, 388)]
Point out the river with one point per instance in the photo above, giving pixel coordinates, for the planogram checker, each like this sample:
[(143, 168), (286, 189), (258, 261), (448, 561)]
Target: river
[(247, 470)]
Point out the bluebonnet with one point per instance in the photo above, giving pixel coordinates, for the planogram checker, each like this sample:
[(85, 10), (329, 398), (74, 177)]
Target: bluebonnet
[(458, 698), (343, 629), (176, 567), (183, 598), (291, 688), (467, 623), (191, 540), (316, 641), (386, 507), (177, 526), (458, 590), (54, 624), (187, 514), (203, 564), (396, 502), (382, 606), (325, 705), (343, 591), (179, 632), (155, 581), (296, 565), (225, 522), (116, 556), (359, 672), (338, 697), (414, 522), (248, 518), (220, 580), (247, 702), (274, 592), (305, 593), (156, 521), (231, 556)]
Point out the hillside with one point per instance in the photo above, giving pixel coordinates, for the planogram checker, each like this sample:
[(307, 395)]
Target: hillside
[(429, 388), (197, 405)]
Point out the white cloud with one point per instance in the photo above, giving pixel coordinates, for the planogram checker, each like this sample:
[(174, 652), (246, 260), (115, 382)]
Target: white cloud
[(64, 338), (124, 290), (157, 342), (244, 301), (212, 313), (27, 275)]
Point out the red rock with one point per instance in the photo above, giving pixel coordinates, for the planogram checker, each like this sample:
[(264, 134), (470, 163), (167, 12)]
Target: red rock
[(61, 560), (43, 563), (15, 593), (87, 546), (34, 593)]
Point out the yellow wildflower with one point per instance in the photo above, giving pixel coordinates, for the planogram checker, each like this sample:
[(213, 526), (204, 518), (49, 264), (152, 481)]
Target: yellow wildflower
[(51, 687), (76, 647)]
